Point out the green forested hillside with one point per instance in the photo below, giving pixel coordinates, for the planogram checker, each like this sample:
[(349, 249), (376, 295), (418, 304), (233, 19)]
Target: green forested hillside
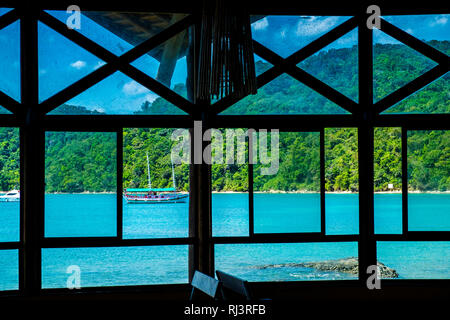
[(77, 162), (9, 159)]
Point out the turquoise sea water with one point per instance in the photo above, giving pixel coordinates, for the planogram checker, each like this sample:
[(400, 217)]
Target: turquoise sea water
[(94, 215)]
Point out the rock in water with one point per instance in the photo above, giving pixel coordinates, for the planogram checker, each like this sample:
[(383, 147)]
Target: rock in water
[(347, 265)]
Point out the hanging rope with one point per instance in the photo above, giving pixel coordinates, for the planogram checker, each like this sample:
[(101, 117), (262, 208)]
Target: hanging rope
[(226, 63)]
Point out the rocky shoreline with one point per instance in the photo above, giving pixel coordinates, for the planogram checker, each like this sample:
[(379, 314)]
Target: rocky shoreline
[(346, 265)]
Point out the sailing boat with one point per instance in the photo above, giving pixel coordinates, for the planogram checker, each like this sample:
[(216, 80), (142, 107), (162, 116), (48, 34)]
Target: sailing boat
[(154, 195)]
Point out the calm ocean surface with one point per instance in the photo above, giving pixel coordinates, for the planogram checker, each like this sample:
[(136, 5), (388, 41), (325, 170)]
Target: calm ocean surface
[(94, 215)]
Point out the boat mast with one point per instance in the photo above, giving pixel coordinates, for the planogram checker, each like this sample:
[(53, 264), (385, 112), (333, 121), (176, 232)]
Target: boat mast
[(148, 172), (173, 173)]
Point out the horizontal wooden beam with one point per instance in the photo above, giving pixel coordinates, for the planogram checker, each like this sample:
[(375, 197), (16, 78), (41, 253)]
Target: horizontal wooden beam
[(114, 122), (413, 121), (287, 122), (90, 242), (287, 7), (415, 236), (285, 238), (10, 245)]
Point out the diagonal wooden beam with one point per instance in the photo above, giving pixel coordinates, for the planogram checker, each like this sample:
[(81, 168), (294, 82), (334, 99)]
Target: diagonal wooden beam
[(267, 54), (322, 41), (157, 39), (283, 65), (288, 65), (78, 87), (105, 54), (408, 89), (324, 89), (8, 18), (77, 37), (414, 43), (158, 88), (261, 81), (114, 63), (9, 103)]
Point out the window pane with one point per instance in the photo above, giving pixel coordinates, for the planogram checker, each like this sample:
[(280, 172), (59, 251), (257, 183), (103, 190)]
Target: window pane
[(428, 180), (229, 177), (433, 98), (287, 34), (117, 94), (395, 64), (341, 181), (388, 180), (230, 214), (287, 199), (80, 174), (61, 62), (156, 200), (434, 29), (9, 270), (116, 266), (284, 95), (261, 65), (4, 110), (9, 184), (120, 31), (10, 60), (171, 63), (4, 10), (337, 64), (416, 260), (289, 262)]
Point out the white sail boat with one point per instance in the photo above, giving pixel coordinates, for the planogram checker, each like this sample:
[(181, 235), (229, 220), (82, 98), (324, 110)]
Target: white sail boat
[(154, 195)]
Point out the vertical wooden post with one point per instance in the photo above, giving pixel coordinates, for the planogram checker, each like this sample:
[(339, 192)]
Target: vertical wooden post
[(251, 160), (32, 157), (367, 245), (119, 182), (201, 254), (404, 181), (322, 182)]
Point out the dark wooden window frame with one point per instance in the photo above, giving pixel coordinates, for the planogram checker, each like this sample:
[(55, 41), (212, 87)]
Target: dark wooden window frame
[(30, 116)]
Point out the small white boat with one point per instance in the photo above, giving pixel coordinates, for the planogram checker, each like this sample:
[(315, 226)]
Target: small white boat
[(11, 196)]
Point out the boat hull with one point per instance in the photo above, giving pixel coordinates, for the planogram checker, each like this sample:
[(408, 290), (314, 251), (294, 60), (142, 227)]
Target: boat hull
[(157, 200), (9, 199)]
